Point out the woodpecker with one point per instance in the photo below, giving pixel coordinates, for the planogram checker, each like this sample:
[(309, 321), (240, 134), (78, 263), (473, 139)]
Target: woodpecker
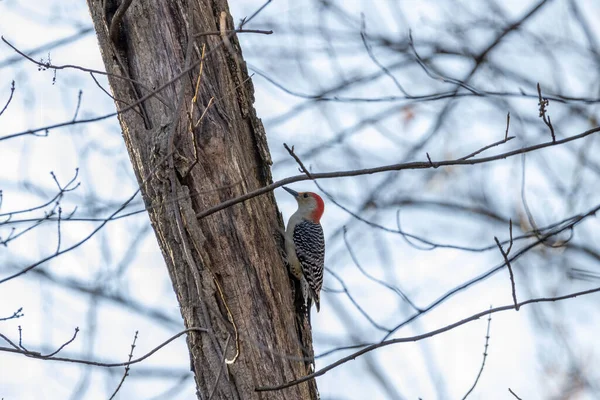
[(305, 245)]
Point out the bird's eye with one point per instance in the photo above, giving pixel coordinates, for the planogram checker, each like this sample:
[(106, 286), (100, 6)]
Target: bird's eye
[(305, 195)]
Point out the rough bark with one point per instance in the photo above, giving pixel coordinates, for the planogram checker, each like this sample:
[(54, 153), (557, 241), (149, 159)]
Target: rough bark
[(226, 268)]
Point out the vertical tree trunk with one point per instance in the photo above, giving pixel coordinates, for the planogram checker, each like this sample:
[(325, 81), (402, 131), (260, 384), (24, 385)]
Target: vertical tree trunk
[(226, 268)]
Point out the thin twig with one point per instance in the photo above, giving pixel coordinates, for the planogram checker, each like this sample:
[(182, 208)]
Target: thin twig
[(406, 236), (78, 104), (510, 271), (431, 164), (302, 168), (215, 33), (371, 277), (543, 103), (68, 342), (514, 394), (12, 92), (127, 367), (524, 199), (489, 146), (363, 35), (534, 227), (485, 347), (55, 199), (436, 75), (21, 339), (244, 21), (363, 312), (511, 236), (506, 139), (16, 314), (58, 229)]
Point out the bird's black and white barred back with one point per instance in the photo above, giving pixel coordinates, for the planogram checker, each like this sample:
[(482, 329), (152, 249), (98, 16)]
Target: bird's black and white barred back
[(309, 243)]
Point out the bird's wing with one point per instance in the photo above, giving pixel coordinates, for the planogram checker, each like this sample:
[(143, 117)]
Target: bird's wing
[(310, 250)]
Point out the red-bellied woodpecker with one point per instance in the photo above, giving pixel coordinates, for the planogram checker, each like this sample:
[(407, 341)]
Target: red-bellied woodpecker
[(305, 245)]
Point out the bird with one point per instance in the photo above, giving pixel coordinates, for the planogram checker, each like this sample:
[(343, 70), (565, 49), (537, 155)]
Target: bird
[(305, 245)]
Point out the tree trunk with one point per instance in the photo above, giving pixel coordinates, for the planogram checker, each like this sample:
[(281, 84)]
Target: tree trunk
[(226, 268)]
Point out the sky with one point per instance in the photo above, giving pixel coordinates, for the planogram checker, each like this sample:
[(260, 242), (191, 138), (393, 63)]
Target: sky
[(527, 349)]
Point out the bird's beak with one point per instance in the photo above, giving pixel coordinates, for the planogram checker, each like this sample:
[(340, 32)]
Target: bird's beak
[(290, 191)]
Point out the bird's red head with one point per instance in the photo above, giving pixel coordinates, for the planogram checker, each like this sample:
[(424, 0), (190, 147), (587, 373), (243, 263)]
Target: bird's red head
[(319, 208), (310, 204)]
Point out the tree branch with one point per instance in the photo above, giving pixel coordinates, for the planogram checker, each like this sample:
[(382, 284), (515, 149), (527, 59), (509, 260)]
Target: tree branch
[(387, 168), (417, 338)]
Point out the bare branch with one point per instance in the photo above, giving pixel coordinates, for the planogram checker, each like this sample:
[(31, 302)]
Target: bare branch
[(37, 355), (216, 33), (141, 100), (485, 347), (510, 271), (10, 97), (16, 314), (58, 230), (79, 102), (417, 338), (68, 342), (489, 146), (48, 46), (74, 246), (393, 288), (543, 103), (386, 168), (49, 65), (568, 223), (514, 394), (245, 20), (363, 35), (355, 303), (302, 168), (127, 367)]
